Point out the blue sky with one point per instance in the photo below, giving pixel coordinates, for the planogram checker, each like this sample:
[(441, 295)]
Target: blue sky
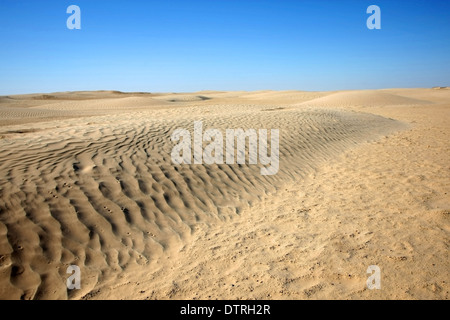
[(179, 46)]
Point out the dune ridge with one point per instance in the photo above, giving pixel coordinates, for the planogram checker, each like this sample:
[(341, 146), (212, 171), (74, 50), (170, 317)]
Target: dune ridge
[(364, 98)]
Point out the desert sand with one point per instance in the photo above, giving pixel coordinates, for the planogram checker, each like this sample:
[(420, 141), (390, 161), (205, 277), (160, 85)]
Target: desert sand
[(86, 179)]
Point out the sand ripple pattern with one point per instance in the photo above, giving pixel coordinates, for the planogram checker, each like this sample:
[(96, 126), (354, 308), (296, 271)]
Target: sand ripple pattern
[(105, 196)]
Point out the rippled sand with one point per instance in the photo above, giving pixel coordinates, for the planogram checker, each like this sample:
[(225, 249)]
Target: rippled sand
[(87, 180)]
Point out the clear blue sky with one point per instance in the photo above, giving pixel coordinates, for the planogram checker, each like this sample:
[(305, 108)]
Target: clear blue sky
[(189, 45)]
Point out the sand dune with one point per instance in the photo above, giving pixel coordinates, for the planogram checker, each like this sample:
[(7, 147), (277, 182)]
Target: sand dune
[(367, 98), (89, 181), (103, 104)]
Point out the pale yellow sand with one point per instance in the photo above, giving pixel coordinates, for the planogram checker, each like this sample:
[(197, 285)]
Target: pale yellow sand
[(87, 180)]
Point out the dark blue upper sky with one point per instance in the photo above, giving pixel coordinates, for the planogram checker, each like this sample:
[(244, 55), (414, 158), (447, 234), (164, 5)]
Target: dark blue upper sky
[(194, 45)]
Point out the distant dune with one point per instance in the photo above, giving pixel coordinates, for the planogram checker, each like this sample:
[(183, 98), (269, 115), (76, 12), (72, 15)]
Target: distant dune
[(364, 98)]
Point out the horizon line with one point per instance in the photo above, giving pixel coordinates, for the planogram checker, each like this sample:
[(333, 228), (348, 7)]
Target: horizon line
[(213, 90)]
